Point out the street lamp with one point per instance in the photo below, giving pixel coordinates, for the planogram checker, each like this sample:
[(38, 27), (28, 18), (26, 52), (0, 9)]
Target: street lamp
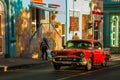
[(73, 11), (73, 6)]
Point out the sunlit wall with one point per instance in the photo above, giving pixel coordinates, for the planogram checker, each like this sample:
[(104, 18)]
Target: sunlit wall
[(77, 9)]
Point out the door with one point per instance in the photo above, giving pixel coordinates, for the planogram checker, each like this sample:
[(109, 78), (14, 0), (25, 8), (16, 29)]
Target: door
[(2, 29), (98, 53), (1, 37), (115, 30)]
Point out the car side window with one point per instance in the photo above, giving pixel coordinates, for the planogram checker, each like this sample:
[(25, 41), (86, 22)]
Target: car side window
[(84, 45), (97, 45), (70, 45), (79, 45)]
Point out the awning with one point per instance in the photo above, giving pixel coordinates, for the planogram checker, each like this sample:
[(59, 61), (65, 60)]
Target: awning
[(43, 6), (37, 0)]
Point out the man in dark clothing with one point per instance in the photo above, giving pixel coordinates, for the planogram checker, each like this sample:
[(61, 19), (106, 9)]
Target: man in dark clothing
[(44, 46)]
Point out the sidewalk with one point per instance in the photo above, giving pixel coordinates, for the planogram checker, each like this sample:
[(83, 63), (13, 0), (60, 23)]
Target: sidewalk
[(10, 63), (115, 57)]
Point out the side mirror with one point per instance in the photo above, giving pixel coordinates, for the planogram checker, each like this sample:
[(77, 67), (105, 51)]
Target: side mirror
[(63, 46)]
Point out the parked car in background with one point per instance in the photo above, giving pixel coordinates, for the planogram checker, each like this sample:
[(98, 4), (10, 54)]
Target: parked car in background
[(80, 53)]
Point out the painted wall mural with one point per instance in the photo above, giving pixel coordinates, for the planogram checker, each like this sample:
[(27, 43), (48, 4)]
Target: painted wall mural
[(23, 31), (52, 34)]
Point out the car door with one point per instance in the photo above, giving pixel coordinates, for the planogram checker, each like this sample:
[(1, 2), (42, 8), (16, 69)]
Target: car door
[(98, 53)]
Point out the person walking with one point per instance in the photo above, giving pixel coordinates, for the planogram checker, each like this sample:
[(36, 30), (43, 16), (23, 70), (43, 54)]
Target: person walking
[(75, 37), (44, 46)]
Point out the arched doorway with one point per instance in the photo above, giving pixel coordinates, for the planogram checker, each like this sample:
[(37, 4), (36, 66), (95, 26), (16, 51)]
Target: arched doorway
[(2, 29), (115, 30)]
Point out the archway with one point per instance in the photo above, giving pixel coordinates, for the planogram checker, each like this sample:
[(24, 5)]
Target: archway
[(2, 29)]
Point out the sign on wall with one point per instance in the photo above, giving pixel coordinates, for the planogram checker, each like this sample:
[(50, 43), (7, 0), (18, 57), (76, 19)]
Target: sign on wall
[(74, 23)]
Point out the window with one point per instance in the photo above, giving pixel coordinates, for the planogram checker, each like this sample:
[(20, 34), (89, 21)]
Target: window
[(70, 45), (79, 44), (115, 30), (97, 45), (96, 34)]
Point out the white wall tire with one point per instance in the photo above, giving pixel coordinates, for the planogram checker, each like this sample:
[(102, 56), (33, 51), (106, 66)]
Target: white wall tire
[(89, 65), (57, 67)]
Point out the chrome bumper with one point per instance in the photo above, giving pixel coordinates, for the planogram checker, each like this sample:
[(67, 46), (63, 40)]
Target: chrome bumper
[(82, 63)]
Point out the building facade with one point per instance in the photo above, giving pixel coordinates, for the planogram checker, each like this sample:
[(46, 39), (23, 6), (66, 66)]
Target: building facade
[(77, 18), (7, 32), (24, 23), (85, 17), (112, 25)]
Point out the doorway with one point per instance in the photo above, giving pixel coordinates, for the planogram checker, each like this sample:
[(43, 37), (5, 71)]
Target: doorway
[(2, 30), (115, 30)]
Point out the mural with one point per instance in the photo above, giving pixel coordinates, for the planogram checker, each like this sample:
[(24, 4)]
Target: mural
[(23, 31), (52, 33)]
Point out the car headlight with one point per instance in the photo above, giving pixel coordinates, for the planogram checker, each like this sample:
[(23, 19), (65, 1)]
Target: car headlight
[(81, 54)]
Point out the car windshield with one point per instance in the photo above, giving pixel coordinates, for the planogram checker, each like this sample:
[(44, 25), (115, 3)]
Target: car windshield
[(78, 44)]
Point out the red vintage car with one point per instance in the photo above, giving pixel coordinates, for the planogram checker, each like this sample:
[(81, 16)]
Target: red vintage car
[(80, 53)]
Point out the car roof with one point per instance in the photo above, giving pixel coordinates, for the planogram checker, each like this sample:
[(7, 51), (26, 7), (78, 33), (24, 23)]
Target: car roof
[(87, 40)]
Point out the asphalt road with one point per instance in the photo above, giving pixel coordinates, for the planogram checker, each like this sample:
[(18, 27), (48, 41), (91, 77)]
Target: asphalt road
[(46, 72)]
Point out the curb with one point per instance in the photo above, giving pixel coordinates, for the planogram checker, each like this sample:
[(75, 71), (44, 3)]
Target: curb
[(22, 66)]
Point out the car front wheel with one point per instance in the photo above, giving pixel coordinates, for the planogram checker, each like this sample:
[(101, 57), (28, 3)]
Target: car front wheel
[(57, 67), (89, 65)]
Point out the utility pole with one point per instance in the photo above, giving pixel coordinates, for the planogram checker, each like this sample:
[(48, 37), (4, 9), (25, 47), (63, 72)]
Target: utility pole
[(73, 7), (73, 10)]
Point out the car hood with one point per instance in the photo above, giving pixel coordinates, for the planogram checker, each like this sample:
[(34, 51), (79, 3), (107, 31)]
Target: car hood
[(68, 52)]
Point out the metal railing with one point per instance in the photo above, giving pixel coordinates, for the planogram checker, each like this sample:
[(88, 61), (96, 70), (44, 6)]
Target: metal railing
[(44, 30)]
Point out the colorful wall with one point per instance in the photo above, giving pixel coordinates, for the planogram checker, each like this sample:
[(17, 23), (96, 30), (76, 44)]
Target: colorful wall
[(16, 25), (7, 27), (3, 28), (111, 23)]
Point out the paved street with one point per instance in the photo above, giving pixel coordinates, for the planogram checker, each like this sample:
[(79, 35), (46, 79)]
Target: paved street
[(66, 73), (46, 72), (19, 62)]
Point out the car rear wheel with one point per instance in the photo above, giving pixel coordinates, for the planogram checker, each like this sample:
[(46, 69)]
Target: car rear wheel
[(57, 67), (104, 63), (89, 65)]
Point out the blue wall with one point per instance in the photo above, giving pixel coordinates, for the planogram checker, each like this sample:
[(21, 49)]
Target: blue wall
[(20, 4), (6, 7), (12, 9)]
